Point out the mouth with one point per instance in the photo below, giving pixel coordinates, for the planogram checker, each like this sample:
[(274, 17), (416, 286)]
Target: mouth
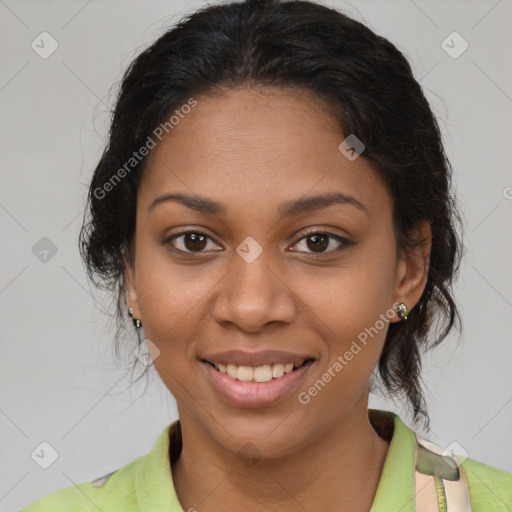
[(256, 386), (256, 379), (258, 374)]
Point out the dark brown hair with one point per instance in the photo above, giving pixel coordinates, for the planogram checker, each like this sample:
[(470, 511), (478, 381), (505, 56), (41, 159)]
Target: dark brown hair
[(368, 83)]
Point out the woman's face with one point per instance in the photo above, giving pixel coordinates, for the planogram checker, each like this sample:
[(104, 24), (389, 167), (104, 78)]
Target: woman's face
[(262, 280)]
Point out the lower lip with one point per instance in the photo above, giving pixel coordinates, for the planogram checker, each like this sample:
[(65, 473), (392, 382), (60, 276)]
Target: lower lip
[(256, 394)]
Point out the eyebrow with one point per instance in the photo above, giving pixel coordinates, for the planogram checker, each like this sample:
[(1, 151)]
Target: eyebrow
[(286, 209)]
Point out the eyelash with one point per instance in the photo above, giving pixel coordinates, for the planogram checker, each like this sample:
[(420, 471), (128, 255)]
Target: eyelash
[(343, 241)]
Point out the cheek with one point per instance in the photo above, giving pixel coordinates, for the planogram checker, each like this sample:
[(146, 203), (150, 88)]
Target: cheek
[(171, 302), (167, 293), (168, 304), (354, 304), (352, 297)]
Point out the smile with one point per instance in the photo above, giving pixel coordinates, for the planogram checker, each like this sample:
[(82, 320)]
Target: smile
[(264, 373), (255, 386)]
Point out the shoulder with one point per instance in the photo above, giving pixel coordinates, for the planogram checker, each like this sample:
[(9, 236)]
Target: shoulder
[(490, 488), (142, 483), (114, 488)]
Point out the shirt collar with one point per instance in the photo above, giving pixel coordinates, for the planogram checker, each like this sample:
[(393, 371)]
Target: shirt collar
[(155, 490), (154, 487), (396, 486)]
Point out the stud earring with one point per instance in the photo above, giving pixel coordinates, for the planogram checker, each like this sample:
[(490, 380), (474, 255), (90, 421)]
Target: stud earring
[(136, 321), (402, 311)]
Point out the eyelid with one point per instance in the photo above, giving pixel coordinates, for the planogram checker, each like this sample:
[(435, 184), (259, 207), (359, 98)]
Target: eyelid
[(320, 230), (344, 241), (184, 231), (298, 238)]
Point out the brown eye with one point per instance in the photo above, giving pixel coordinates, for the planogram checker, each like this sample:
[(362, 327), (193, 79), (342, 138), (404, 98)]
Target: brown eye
[(318, 242), (189, 241), (194, 241)]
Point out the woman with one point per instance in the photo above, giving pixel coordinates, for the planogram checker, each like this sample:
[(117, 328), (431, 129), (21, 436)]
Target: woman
[(273, 210)]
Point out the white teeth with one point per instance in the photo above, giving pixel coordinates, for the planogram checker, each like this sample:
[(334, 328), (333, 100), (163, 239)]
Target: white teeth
[(245, 373), (263, 373), (231, 370), (288, 368), (277, 370)]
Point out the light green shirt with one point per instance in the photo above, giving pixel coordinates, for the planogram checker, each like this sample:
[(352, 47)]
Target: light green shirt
[(146, 485)]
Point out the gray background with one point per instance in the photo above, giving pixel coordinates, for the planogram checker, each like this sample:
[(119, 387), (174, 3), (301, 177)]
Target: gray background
[(59, 381)]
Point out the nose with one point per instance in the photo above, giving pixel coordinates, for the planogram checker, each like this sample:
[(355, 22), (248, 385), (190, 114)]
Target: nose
[(254, 294)]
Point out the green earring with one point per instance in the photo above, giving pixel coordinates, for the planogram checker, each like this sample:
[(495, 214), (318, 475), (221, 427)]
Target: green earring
[(136, 321), (402, 311)]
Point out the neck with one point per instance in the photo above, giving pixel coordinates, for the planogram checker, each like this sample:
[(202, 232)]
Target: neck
[(342, 466)]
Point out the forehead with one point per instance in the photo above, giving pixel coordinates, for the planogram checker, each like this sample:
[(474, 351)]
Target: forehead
[(255, 148)]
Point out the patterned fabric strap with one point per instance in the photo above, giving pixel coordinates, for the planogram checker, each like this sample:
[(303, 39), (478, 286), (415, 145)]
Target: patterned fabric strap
[(440, 480)]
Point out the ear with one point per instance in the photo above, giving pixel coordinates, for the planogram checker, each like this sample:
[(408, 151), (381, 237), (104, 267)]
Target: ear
[(412, 269), (129, 286)]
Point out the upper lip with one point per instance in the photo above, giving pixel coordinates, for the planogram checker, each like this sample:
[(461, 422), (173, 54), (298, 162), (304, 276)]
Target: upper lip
[(242, 358)]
